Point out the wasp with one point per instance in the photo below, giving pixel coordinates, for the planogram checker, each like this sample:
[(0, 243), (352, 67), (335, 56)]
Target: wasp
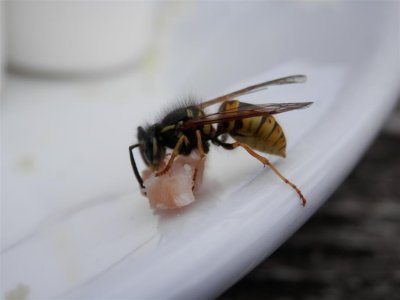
[(188, 128)]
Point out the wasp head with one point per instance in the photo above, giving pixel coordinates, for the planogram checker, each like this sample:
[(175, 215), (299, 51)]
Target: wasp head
[(151, 146)]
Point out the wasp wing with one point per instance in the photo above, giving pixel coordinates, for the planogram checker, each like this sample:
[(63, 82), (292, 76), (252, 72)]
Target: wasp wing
[(244, 112), (255, 88)]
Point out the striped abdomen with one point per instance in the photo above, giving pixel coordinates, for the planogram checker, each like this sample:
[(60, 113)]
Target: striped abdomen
[(262, 133)]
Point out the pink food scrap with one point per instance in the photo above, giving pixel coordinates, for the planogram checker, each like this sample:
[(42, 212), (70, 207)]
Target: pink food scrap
[(176, 188)]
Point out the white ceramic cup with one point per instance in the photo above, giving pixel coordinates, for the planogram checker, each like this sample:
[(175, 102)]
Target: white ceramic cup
[(1, 47), (76, 36)]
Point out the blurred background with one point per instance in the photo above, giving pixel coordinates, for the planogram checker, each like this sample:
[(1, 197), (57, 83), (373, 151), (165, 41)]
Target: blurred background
[(77, 77)]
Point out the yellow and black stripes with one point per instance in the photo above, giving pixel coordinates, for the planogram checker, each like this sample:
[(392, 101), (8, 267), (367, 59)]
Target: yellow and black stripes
[(262, 133)]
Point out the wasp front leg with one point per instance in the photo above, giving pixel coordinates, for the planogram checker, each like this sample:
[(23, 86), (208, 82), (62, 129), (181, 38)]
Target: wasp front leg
[(175, 152), (202, 154)]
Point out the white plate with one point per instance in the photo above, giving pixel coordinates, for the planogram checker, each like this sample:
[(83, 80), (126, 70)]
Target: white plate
[(73, 222)]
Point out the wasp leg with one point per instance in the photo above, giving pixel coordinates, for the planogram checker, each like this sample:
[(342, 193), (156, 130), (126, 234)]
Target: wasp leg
[(202, 155), (264, 161), (175, 152)]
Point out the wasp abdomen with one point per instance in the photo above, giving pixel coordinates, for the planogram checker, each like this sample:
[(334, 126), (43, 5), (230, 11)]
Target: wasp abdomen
[(262, 133)]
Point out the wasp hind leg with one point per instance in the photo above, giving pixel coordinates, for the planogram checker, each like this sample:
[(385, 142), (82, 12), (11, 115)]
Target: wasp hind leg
[(175, 152), (265, 162)]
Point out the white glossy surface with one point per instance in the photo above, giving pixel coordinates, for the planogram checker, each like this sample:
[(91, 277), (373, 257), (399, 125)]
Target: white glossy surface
[(77, 36), (71, 211)]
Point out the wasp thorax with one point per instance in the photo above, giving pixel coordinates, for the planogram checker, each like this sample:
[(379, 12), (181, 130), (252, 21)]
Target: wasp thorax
[(150, 145)]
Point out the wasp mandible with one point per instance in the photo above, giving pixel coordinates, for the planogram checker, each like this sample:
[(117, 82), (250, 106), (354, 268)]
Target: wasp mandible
[(184, 129)]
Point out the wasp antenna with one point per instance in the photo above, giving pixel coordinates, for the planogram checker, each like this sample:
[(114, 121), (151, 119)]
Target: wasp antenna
[(134, 167)]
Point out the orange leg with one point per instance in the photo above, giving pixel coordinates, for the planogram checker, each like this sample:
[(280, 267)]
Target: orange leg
[(175, 152), (265, 161), (202, 155)]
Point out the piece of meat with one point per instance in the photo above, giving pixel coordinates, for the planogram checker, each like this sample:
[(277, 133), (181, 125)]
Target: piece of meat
[(176, 188)]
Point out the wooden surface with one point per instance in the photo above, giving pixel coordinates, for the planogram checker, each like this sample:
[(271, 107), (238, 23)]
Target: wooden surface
[(350, 249)]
